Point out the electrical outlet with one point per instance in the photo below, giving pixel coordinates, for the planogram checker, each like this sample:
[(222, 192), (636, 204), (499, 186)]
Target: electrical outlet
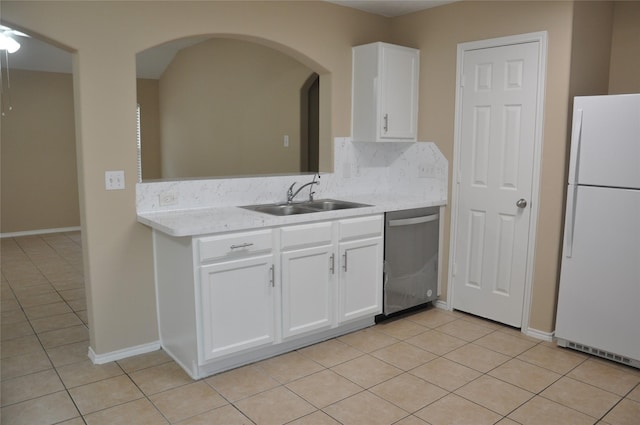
[(114, 180), (286, 141), (425, 171), (168, 198)]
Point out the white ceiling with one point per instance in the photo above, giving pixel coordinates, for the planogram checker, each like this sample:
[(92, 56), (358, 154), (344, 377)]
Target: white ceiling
[(37, 55)]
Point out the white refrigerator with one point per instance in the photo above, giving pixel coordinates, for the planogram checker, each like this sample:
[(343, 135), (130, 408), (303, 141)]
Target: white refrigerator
[(599, 297)]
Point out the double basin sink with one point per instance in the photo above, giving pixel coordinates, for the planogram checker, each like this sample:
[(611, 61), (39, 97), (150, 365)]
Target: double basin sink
[(305, 207)]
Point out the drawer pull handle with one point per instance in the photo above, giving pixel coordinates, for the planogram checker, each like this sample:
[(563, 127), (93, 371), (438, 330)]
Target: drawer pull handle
[(333, 264), (273, 276), (244, 245), (344, 263)]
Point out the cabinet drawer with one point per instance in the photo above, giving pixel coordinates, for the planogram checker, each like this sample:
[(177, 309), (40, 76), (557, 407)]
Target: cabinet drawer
[(306, 235), (361, 227), (237, 244)]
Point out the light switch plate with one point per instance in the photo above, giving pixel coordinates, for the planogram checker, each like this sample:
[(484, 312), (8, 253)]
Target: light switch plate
[(114, 180)]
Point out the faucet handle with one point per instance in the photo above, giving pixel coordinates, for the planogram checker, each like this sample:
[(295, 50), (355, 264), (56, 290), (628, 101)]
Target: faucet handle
[(290, 193)]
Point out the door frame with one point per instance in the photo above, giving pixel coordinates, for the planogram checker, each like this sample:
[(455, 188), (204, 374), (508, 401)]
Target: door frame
[(541, 38)]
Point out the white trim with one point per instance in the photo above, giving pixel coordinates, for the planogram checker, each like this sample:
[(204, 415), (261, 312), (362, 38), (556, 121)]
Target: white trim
[(444, 305), (534, 333), (154, 243), (541, 38), (441, 214), (122, 354), (39, 232)]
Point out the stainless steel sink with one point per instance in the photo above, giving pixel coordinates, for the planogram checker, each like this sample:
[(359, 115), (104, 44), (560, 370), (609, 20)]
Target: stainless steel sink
[(304, 207), (280, 209), (333, 204)]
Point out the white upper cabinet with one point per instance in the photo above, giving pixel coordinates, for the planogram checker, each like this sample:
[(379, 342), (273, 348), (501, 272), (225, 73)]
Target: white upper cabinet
[(385, 93)]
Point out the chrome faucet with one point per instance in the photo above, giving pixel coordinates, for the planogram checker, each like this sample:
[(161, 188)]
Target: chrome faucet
[(291, 194)]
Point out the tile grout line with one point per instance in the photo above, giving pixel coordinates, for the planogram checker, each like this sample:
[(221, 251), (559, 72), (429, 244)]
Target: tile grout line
[(36, 334), (282, 384)]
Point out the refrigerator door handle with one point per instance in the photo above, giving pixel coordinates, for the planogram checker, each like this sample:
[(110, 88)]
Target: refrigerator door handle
[(576, 139), (570, 220)]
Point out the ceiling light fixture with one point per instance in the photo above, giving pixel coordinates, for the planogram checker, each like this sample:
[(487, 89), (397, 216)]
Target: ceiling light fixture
[(7, 43)]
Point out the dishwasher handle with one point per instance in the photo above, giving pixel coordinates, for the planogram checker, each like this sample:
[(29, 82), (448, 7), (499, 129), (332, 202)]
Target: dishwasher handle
[(414, 220)]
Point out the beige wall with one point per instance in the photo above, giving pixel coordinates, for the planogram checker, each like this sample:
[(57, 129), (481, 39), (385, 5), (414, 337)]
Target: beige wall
[(39, 177), (225, 107), (118, 259), (117, 250), (580, 43), (436, 33), (591, 48), (624, 76)]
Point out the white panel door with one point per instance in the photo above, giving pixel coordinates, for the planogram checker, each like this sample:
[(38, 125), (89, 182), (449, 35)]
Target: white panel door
[(600, 278), (497, 140), (307, 290)]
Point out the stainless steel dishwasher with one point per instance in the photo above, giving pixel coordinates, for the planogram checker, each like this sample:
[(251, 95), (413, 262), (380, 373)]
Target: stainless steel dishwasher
[(410, 259)]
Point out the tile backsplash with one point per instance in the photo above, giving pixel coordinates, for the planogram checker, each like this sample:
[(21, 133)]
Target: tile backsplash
[(359, 168)]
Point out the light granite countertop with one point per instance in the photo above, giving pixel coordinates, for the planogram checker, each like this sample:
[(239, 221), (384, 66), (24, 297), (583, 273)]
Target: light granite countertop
[(202, 221)]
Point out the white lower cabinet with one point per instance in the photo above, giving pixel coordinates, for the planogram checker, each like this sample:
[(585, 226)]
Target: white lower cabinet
[(307, 290), (308, 267), (227, 300), (361, 259), (237, 300), (360, 278)]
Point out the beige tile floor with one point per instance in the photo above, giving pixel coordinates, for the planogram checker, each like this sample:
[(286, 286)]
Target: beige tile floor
[(432, 367)]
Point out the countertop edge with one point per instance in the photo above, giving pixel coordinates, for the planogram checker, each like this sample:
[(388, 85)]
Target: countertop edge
[(203, 221)]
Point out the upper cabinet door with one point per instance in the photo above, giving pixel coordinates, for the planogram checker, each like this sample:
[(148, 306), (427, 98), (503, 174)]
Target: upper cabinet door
[(385, 93), (399, 93)]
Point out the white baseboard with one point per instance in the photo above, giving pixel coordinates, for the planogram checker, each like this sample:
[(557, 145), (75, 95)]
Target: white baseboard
[(545, 336), (39, 232), (122, 354), (442, 304)]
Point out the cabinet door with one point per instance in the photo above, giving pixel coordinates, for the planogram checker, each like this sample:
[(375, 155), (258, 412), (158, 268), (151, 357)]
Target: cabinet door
[(237, 305), (360, 278), (307, 294), (399, 93)]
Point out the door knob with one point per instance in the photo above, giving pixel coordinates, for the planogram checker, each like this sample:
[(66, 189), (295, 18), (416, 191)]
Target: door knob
[(521, 203)]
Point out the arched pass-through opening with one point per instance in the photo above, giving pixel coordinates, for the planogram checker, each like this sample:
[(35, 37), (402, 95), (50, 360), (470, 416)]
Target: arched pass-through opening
[(220, 106), (310, 124)]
